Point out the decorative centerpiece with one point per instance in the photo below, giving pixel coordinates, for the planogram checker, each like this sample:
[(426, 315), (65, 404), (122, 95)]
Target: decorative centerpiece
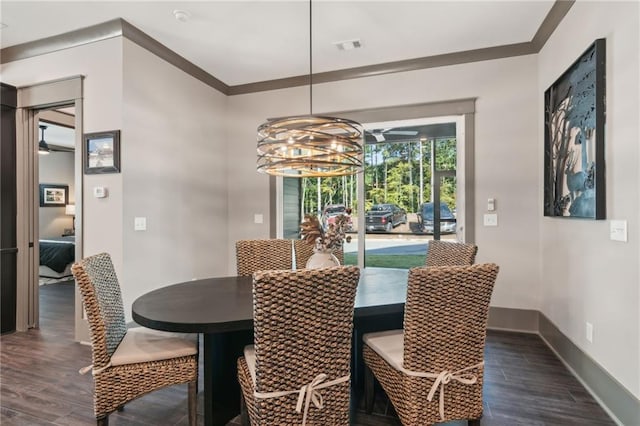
[(324, 241)]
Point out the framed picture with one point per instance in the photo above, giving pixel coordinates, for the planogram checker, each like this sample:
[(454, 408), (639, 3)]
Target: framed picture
[(574, 118), (52, 195), (102, 152)]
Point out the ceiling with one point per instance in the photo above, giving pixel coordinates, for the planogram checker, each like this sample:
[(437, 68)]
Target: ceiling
[(57, 136), (241, 42)]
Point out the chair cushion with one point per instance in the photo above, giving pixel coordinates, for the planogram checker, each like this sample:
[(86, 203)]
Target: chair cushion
[(142, 344), (389, 345), (250, 357)]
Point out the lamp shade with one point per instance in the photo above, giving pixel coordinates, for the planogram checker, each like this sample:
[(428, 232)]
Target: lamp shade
[(70, 209)]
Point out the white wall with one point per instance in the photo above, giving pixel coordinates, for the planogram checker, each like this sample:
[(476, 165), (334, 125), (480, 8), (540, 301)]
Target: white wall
[(506, 154), (174, 173), (173, 160), (101, 65), (584, 275), (56, 168)]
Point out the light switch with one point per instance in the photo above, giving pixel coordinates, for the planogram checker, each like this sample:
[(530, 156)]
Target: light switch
[(491, 204), (140, 224), (618, 230), (258, 218), (490, 219)]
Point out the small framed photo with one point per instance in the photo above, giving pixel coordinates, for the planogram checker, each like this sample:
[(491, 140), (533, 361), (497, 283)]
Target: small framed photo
[(102, 152), (54, 195)]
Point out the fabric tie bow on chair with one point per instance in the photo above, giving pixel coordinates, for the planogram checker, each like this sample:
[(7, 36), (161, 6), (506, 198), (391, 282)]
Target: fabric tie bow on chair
[(306, 394)]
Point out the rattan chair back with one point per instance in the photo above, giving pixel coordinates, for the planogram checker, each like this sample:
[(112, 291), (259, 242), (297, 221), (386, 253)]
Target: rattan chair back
[(303, 251), (100, 290), (446, 253), (303, 323), (445, 325), (116, 385), (260, 255), (446, 315)]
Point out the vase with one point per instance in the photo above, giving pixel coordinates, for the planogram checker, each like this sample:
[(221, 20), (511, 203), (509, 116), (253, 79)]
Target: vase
[(322, 258)]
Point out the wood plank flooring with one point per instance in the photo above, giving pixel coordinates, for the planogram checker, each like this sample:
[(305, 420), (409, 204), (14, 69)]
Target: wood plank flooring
[(525, 384)]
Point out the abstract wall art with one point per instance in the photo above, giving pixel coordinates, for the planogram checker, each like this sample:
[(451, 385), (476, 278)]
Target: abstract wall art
[(574, 117)]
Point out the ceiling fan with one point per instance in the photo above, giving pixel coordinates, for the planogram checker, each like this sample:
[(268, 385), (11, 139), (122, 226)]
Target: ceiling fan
[(379, 134)]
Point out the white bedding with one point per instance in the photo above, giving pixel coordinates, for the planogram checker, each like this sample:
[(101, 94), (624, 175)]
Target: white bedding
[(47, 272)]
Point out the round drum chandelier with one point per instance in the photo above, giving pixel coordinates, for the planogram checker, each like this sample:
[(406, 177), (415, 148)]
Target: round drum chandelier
[(310, 145)]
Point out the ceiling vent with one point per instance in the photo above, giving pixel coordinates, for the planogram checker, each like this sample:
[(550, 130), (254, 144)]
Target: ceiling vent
[(348, 44)]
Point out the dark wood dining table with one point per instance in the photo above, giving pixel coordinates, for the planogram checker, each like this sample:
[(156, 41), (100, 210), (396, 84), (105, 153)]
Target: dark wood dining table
[(222, 310)]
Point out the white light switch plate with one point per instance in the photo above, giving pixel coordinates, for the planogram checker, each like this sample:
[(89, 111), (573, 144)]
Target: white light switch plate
[(140, 224), (618, 230), (490, 219), (258, 218)]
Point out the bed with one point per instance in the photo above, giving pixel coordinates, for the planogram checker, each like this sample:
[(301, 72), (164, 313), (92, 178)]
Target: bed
[(57, 256)]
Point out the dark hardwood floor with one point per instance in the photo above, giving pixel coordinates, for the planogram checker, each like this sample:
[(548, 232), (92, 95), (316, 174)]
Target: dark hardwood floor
[(525, 384)]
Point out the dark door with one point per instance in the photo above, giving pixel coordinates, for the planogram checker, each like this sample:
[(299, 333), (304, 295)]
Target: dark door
[(8, 249)]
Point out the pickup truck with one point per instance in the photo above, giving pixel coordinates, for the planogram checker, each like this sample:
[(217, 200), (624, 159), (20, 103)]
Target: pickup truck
[(384, 217)]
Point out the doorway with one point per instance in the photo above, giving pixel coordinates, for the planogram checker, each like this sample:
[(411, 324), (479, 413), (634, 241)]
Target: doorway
[(37, 105), (56, 211)]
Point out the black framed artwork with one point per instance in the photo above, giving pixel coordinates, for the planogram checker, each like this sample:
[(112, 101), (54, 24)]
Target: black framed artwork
[(53, 195), (102, 152), (574, 117)]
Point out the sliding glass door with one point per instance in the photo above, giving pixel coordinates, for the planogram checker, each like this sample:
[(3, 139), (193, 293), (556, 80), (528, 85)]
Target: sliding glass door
[(410, 188)]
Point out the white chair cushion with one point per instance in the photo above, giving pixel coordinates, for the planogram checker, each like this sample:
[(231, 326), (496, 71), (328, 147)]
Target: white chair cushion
[(250, 357), (142, 344), (389, 345)]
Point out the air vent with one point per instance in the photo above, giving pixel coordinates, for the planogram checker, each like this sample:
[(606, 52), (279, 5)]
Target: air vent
[(348, 44)]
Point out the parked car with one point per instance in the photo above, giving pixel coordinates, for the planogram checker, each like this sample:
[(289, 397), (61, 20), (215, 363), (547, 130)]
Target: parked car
[(384, 217), (330, 212), (447, 219)]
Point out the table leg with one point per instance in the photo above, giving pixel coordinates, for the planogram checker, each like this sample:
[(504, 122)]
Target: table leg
[(221, 387)]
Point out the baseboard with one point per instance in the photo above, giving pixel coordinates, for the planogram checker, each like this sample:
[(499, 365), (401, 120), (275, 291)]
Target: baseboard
[(615, 399), (509, 319), (623, 406)]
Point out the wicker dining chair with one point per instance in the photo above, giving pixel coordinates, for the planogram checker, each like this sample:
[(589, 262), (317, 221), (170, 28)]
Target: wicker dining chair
[(128, 363), (303, 251), (259, 255), (432, 370), (446, 253), (303, 323)]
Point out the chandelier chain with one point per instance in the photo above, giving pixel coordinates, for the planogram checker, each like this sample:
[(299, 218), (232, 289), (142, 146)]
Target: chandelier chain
[(310, 58)]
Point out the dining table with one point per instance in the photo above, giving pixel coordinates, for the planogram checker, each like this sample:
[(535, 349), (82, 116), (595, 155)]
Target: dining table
[(221, 309)]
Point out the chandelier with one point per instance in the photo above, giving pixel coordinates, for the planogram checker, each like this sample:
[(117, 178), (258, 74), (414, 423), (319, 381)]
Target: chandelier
[(310, 145)]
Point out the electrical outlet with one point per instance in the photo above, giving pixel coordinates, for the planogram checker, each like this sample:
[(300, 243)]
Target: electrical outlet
[(140, 224), (589, 332)]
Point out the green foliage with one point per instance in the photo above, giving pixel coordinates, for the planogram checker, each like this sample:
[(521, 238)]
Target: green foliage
[(392, 175), (400, 261)]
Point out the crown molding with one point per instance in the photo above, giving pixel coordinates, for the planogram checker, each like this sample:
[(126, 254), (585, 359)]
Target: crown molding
[(446, 59), (152, 45), (121, 28), (71, 39)]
